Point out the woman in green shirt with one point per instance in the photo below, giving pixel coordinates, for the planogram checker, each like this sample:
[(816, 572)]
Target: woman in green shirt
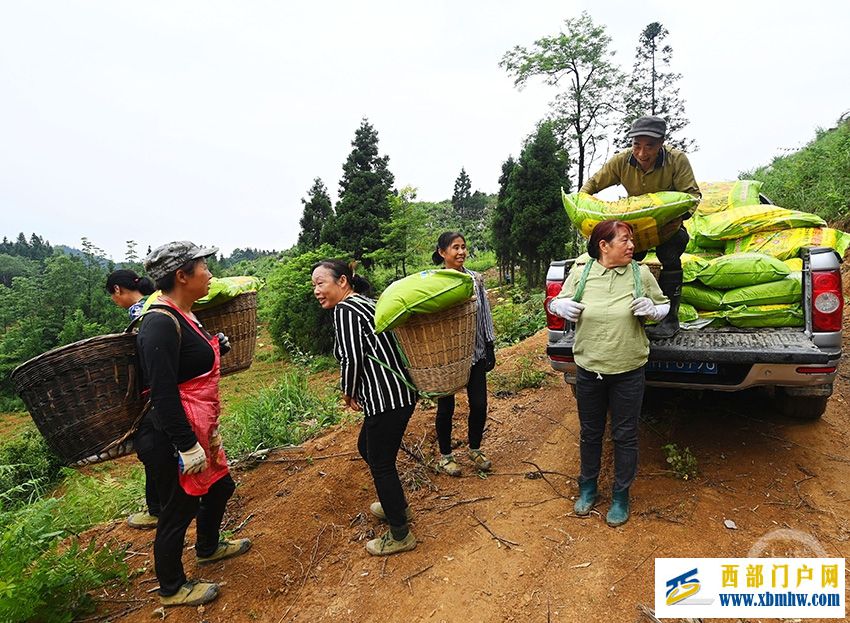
[(609, 297)]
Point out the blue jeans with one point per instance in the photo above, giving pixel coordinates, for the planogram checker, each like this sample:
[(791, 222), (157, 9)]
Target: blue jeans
[(623, 395)]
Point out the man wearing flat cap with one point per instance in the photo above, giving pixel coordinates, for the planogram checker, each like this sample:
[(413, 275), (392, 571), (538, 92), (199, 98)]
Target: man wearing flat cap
[(650, 167)]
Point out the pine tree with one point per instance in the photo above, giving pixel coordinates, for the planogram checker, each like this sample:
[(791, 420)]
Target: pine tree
[(539, 228), (500, 225), (462, 195), (653, 90), (363, 197), (317, 211)]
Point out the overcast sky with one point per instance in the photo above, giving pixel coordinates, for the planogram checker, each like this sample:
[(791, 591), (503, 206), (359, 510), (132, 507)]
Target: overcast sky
[(208, 121)]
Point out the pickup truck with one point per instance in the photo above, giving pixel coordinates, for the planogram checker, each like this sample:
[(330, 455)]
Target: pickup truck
[(797, 364)]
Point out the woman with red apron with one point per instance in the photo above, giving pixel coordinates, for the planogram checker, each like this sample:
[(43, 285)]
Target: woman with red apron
[(178, 438)]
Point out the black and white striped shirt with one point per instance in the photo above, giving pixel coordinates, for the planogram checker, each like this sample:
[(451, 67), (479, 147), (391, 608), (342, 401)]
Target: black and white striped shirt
[(374, 387)]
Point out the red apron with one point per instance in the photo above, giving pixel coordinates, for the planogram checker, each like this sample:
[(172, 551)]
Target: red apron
[(199, 397)]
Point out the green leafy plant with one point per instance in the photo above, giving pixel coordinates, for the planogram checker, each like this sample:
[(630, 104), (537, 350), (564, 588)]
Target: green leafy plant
[(517, 314), (286, 413), (682, 462)]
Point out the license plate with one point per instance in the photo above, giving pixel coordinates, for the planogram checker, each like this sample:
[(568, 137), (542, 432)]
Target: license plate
[(684, 367)]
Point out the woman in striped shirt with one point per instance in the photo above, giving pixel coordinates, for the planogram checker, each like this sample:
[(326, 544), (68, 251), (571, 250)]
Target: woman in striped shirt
[(373, 380), (451, 251)]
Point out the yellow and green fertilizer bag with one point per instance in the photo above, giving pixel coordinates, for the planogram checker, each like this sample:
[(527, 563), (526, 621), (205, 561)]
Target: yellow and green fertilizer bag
[(425, 292), (702, 297), (715, 196), (783, 291), (687, 313), (742, 269), (767, 316), (694, 226), (744, 193), (787, 244), (734, 223), (653, 216)]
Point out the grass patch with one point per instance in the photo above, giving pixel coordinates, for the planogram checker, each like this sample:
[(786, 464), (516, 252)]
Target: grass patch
[(524, 376), (27, 469), (286, 413), (682, 462)]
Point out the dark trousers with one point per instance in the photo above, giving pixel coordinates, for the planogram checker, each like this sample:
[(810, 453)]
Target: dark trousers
[(669, 253), (179, 509), (622, 394), (476, 392), (378, 444), (151, 494)]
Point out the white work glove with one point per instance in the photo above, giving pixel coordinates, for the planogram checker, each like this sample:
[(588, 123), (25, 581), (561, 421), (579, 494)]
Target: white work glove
[(566, 308), (192, 461), (644, 307)]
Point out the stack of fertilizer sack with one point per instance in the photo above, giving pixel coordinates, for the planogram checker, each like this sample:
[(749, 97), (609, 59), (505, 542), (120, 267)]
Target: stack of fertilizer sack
[(742, 265)]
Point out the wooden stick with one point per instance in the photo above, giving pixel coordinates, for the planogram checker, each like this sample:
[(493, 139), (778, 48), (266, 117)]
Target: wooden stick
[(501, 540), (311, 458), (469, 501), (635, 568), (413, 575), (543, 476)]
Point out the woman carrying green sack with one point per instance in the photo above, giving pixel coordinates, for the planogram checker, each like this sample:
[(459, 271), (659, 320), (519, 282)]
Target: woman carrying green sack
[(451, 251), (372, 380), (610, 298)]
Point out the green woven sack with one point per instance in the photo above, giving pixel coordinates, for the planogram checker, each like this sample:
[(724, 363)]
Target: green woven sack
[(787, 243), (422, 293), (784, 291), (767, 316), (687, 313), (702, 297), (742, 269)]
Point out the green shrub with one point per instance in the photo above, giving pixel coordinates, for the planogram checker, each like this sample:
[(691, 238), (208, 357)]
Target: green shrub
[(286, 413), (482, 261), (815, 179), (517, 315), (287, 303), (682, 462), (27, 468), (524, 376), (46, 578)]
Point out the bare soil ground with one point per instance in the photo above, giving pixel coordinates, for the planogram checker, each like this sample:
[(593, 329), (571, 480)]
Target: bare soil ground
[(507, 547)]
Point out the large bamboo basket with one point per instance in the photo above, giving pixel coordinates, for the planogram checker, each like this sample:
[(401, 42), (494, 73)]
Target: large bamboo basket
[(237, 319), (439, 348), (84, 397)]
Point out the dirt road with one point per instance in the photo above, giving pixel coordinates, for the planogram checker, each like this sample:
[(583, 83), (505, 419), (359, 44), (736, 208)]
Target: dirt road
[(507, 547)]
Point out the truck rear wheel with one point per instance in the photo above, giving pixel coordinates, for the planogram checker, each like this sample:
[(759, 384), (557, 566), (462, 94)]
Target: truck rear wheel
[(801, 407)]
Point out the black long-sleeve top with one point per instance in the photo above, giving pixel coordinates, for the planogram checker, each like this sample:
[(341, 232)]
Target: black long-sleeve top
[(168, 360), (374, 387)]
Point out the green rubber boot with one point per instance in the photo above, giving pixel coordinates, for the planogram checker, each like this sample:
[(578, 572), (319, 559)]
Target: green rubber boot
[(587, 493), (618, 514)]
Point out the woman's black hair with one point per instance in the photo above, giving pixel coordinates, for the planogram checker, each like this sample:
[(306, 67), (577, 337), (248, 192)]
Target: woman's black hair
[(339, 269), (605, 230), (129, 280), (166, 284), (443, 242)]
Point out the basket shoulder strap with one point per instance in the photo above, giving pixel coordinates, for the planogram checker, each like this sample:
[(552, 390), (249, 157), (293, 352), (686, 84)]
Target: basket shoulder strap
[(582, 281), (159, 310), (638, 279)]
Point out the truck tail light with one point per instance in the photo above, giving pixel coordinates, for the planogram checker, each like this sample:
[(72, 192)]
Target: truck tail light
[(827, 300), (814, 370), (555, 323)]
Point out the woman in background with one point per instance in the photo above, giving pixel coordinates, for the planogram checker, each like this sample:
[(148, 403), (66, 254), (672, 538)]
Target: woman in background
[(380, 390), (130, 291), (451, 251)]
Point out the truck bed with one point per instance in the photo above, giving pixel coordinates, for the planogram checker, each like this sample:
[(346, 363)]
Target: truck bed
[(723, 345)]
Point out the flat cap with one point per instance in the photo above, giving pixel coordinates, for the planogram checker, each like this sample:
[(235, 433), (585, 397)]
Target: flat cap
[(655, 127)]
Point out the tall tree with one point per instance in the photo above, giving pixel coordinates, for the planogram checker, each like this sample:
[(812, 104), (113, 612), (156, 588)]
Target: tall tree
[(403, 233), (653, 90), (581, 57), (462, 194), (540, 227), (317, 211), (501, 222), (363, 191)]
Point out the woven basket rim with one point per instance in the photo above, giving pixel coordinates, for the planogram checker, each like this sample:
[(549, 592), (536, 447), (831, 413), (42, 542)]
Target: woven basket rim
[(62, 350)]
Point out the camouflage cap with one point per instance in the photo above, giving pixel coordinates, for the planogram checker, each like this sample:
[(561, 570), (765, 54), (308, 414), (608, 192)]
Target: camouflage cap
[(171, 256)]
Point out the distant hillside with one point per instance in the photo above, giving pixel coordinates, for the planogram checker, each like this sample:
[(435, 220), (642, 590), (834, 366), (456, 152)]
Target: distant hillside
[(816, 178)]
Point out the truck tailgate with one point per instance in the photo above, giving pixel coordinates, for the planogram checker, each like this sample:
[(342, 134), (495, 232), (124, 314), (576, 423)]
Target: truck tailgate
[(727, 346)]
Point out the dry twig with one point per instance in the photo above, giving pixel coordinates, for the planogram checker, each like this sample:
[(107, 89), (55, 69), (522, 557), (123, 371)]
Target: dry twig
[(501, 540), (461, 502), (636, 567)]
